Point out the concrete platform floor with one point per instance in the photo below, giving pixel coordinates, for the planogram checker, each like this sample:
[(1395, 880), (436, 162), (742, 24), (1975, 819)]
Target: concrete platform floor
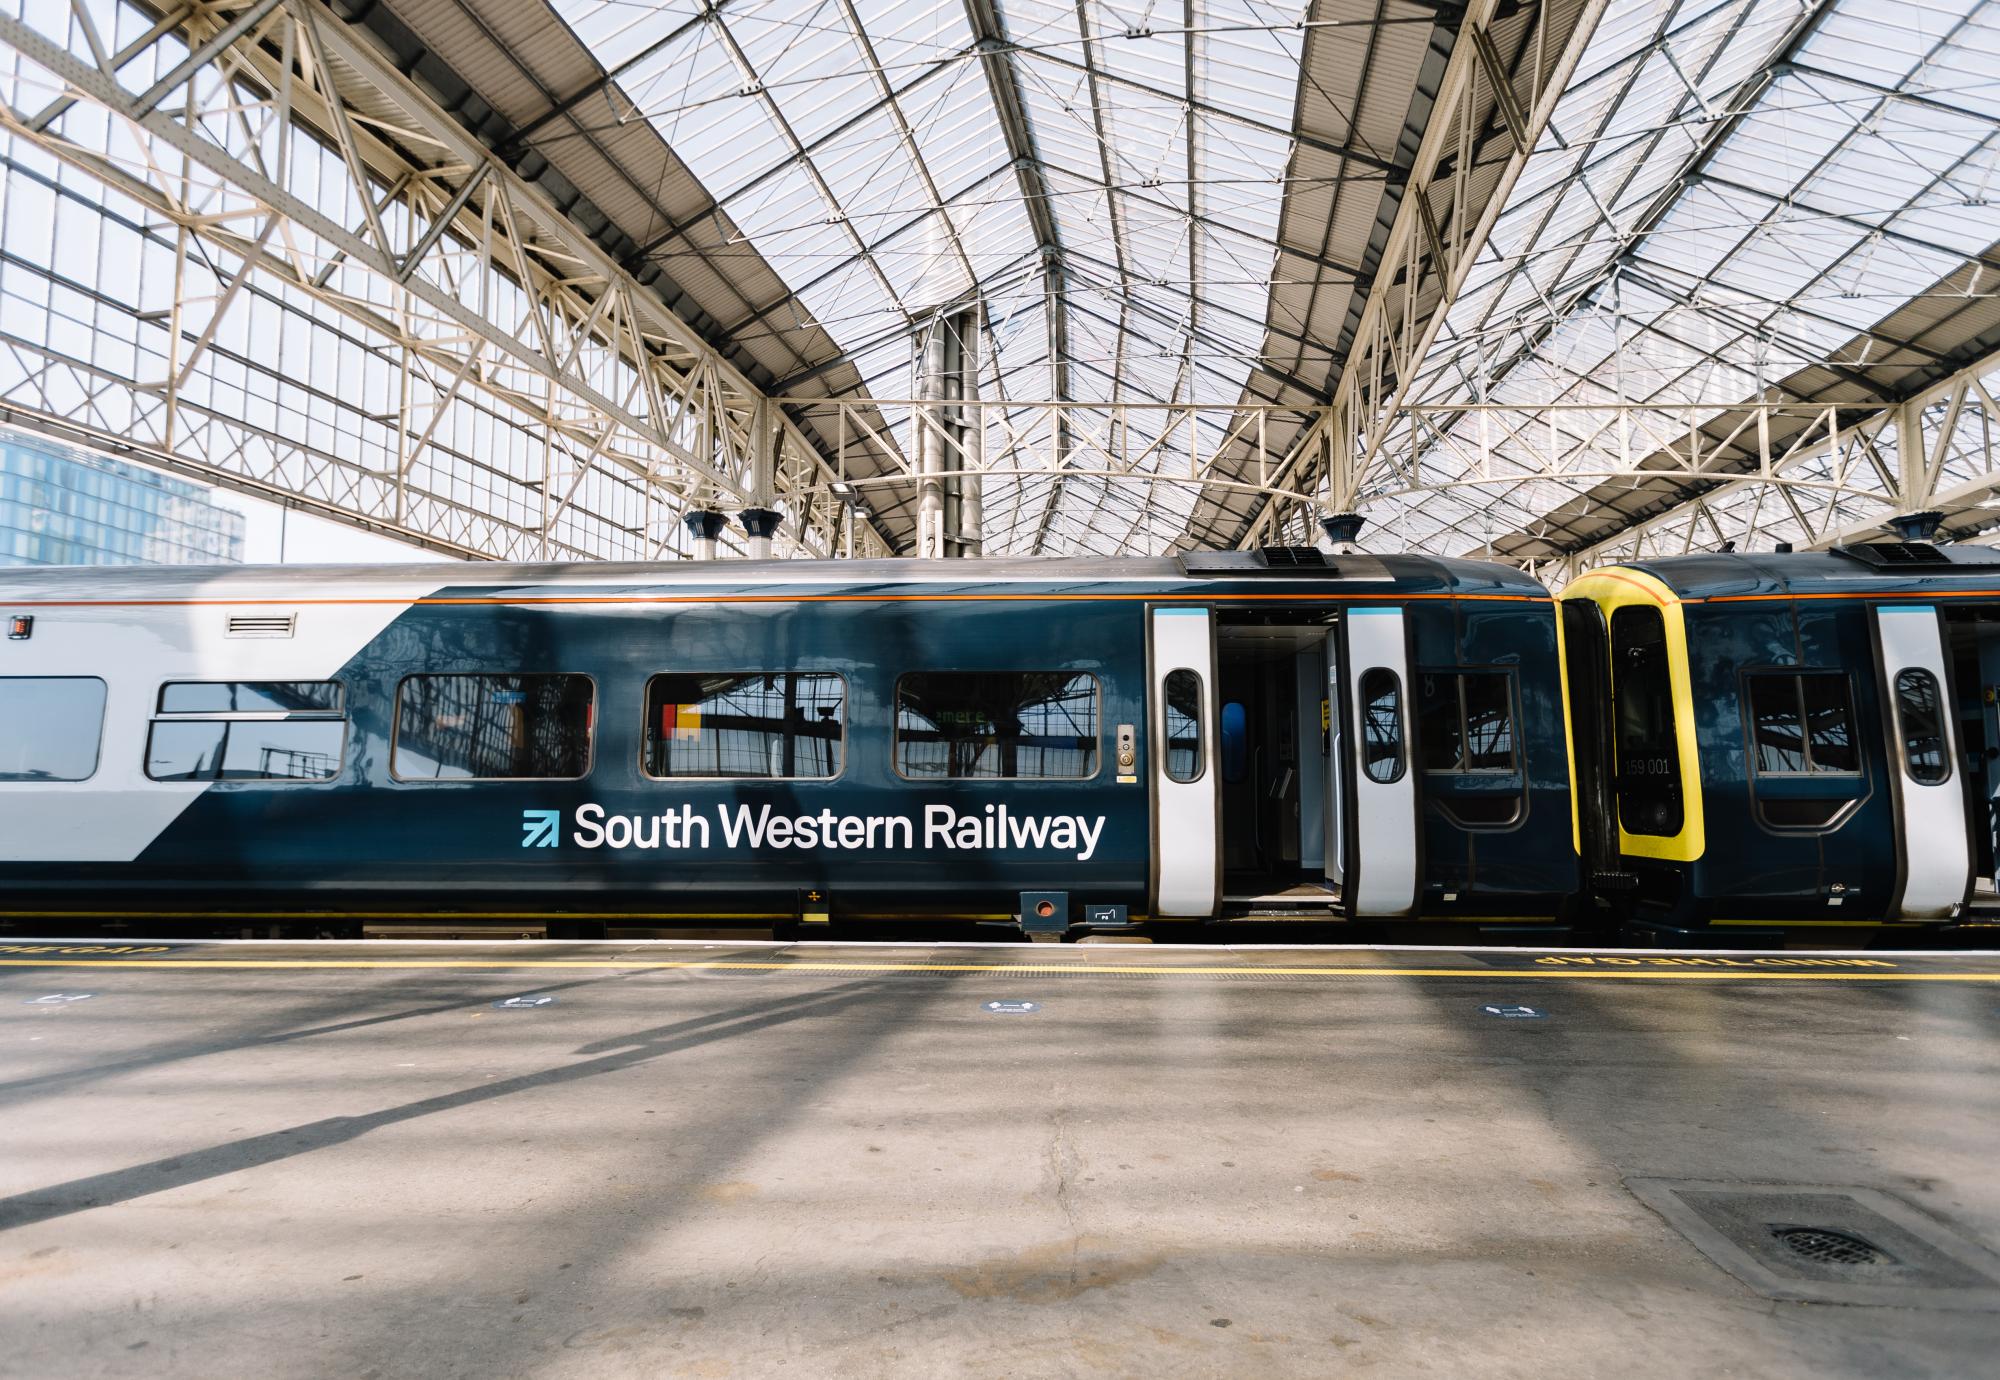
[(735, 1160)]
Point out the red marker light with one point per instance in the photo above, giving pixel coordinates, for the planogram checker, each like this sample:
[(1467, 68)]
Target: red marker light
[(20, 627)]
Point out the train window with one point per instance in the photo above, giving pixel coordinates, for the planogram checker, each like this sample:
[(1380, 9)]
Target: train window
[(50, 727), (1183, 726), (1466, 720), (1922, 726), (247, 731), (1381, 725), (492, 727), (986, 725), (1802, 724), (1648, 744), (760, 725)]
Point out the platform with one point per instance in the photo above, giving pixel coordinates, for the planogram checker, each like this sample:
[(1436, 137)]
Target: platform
[(745, 1159)]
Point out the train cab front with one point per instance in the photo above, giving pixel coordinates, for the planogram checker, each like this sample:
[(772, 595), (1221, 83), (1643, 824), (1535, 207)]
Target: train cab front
[(1789, 746)]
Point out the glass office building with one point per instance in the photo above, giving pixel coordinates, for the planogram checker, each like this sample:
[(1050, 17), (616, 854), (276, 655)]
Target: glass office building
[(61, 506)]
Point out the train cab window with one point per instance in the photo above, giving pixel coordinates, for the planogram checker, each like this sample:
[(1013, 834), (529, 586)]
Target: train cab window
[(997, 725), (247, 731), (1381, 725), (1922, 727), (1183, 726), (759, 725), (1647, 741), (50, 727), (1466, 720), (492, 727), (1802, 724)]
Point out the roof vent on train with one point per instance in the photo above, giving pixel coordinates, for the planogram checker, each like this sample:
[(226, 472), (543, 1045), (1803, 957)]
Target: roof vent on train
[(1896, 555), (1914, 550), (261, 624), (1265, 560)]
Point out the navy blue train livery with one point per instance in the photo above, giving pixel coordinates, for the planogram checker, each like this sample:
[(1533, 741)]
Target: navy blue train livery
[(1758, 743), (1057, 744), (1770, 742)]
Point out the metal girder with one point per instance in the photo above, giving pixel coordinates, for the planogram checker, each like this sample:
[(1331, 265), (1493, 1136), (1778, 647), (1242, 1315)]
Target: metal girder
[(1852, 467), (524, 396), (1003, 83), (1428, 253)]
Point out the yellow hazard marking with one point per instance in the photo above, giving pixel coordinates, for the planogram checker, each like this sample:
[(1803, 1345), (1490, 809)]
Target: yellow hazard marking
[(86, 948), (1878, 970), (1711, 961)]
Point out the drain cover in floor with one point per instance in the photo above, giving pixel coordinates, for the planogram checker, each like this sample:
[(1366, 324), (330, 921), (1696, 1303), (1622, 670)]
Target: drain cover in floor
[(1822, 1244)]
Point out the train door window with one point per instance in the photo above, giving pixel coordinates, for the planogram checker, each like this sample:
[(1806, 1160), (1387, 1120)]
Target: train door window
[(1381, 725), (1921, 726), (778, 726), (1648, 743), (50, 727), (492, 727), (1183, 726), (1802, 724), (247, 731), (997, 725), (1466, 720)]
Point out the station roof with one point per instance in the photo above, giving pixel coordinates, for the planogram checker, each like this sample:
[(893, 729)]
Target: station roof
[(1733, 201), (1150, 204)]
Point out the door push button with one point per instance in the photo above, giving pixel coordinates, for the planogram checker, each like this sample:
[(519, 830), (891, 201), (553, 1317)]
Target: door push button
[(1128, 754)]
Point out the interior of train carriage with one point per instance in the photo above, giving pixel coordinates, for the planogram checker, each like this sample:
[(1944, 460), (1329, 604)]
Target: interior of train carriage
[(1973, 651), (1278, 745)]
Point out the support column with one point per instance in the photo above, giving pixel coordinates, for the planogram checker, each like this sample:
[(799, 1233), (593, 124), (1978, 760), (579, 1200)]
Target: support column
[(950, 436), (1912, 459), (705, 525), (758, 525), (930, 441), (971, 439)]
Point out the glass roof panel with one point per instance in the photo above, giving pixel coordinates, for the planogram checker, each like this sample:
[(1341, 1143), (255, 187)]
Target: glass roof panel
[(1744, 219), (833, 132)]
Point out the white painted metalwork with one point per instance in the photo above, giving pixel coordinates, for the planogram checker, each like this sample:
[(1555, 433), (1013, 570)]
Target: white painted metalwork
[(242, 246), (1218, 268)]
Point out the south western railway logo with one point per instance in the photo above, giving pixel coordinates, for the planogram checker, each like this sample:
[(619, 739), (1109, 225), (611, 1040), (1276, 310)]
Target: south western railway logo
[(941, 828)]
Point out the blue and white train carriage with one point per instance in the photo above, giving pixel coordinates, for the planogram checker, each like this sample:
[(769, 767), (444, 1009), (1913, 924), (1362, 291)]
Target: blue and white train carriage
[(1054, 743)]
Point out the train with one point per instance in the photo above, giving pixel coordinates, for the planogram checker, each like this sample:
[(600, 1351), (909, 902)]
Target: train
[(1720, 745)]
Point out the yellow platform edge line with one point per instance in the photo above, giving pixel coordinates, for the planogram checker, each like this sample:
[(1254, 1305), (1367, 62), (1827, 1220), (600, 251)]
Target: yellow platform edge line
[(1035, 969)]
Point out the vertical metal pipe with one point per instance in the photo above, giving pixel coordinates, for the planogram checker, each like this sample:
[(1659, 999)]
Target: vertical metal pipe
[(930, 494), (972, 441)]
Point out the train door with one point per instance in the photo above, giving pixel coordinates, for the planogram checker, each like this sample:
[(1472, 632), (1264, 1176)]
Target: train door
[(1181, 712), (1587, 688), (1931, 832), (1373, 677), (1975, 693)]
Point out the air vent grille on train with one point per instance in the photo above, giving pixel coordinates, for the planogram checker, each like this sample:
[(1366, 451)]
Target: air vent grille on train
[(1895, 555), (1278, 557), (1265, 560), (261, 624)]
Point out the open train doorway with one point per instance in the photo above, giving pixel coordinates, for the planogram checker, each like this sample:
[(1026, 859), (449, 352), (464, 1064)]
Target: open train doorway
[(1973, 651), (1279, 754)]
